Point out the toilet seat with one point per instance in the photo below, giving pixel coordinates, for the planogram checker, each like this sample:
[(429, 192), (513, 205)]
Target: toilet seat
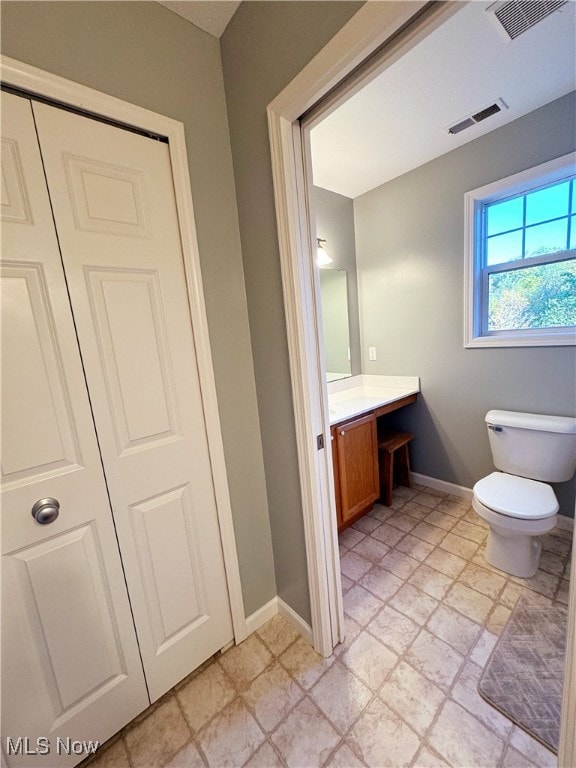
[(516, 496)]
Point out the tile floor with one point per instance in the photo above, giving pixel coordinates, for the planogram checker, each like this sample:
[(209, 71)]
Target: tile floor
[(423, 612)]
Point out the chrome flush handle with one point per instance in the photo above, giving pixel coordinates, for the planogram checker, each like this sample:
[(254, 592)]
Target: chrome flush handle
[(46, 510)]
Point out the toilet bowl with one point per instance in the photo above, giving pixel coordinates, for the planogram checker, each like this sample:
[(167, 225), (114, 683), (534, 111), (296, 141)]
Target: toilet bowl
[(530, 450), (517, 510)]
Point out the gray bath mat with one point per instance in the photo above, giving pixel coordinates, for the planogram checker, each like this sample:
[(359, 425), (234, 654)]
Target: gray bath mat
[(525, 672)]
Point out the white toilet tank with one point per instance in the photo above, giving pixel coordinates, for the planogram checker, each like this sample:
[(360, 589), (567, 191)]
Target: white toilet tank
[(534, 446)]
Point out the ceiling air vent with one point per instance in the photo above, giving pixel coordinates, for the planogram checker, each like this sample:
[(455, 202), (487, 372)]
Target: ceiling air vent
[(513, 17), (477, 117)]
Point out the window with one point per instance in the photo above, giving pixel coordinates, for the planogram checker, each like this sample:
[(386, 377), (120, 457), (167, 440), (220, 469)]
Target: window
[(521, 258)]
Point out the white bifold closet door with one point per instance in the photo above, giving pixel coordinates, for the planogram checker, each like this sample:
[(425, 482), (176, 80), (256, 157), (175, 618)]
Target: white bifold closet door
[(70, 658)]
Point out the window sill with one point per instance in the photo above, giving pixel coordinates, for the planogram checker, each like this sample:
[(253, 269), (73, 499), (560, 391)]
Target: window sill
[(560, 338)]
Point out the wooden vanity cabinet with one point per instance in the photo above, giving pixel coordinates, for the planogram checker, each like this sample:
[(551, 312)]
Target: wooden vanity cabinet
[(355, 458)]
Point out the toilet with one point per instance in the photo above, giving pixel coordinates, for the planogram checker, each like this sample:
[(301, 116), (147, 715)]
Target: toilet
[(530, 450)]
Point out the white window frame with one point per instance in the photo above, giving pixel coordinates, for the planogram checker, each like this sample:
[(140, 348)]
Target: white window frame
[(475, 296)]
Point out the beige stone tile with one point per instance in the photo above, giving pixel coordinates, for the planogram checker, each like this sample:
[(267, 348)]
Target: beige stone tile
[(563, 592), (544, 583), (361, 605), (414, 603), (381, 582), (498, 619), (394, 629), (463, 740), (459, 546), (557, 544), (388, 534), (372, 549), (158, 736), (465, 692), (271, 696), (305, 738), (231, 737), (354, 565), (452, 507), (482, 580), (469, 531), (445, 562), (513, 759), (434, 659), (351, 631), (382, 739), (441, 519), (346, 583), (205, 695), (458, 631), (430, 533), (480, 559), (381, 513), (345, 758), (483, 648), (512, 591), (551, 563), (244, 662), (114, 756), (366, 524), (265, 757), (473, 517), (401, 521), (342, 549), (416, 511), (188, 757), (399, 563), (412, 696), (414, 547), (469, 602), (431, 581), (369, 660), (532, 749), (341, 696), (428, 759), (278, 634), (427, 499), (304, 664), (350, 537), (405, 493)]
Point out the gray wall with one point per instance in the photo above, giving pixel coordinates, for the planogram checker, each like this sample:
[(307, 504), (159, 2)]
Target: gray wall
[(335, 223), (264, 47), (409, 246), (145, 54)]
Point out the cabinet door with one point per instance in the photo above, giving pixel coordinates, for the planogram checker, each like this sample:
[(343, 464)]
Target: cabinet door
[(114, 205), (357, 448), (70, 660)]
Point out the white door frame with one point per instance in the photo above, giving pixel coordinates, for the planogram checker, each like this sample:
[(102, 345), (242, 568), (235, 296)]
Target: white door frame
[(374, 25), (36, 82)]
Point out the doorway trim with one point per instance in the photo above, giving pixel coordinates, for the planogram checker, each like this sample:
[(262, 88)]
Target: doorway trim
[(37, 82), (373, 25)]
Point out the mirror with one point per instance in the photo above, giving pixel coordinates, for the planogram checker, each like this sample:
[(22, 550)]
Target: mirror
[(334, 292)]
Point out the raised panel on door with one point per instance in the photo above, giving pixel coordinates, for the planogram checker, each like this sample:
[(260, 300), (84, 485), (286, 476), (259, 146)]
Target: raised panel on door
[(115, 211), (70, 659)]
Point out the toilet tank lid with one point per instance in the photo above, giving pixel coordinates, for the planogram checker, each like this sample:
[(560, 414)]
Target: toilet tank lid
[(542, 423)]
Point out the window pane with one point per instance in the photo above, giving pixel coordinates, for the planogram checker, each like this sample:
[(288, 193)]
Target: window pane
[(503, 248), (547, 238), (547, 203), (573, 196), (534, 297), (573, 232), (500, 217)]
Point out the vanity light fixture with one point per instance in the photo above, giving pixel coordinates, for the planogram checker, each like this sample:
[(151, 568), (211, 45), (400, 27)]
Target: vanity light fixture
[(322, 258)]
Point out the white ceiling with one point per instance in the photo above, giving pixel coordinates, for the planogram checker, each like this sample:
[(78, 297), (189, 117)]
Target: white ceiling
[(398, 121), (212, 16)]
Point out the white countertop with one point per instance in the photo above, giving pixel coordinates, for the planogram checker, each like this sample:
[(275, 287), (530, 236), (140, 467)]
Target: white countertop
[(360, 394)]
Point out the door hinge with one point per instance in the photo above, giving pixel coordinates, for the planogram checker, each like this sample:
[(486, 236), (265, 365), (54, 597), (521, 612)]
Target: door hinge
[(320, 442)]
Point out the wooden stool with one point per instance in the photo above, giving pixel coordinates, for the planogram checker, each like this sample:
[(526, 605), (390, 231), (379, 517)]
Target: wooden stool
[(389, 444)]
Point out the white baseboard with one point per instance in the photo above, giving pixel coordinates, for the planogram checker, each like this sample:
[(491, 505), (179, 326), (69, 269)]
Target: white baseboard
[(443, 485), (262, 615), (273, 607), (297, 621)]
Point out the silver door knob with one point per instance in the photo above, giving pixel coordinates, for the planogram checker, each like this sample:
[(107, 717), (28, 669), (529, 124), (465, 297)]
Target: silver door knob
[(46, 511)]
